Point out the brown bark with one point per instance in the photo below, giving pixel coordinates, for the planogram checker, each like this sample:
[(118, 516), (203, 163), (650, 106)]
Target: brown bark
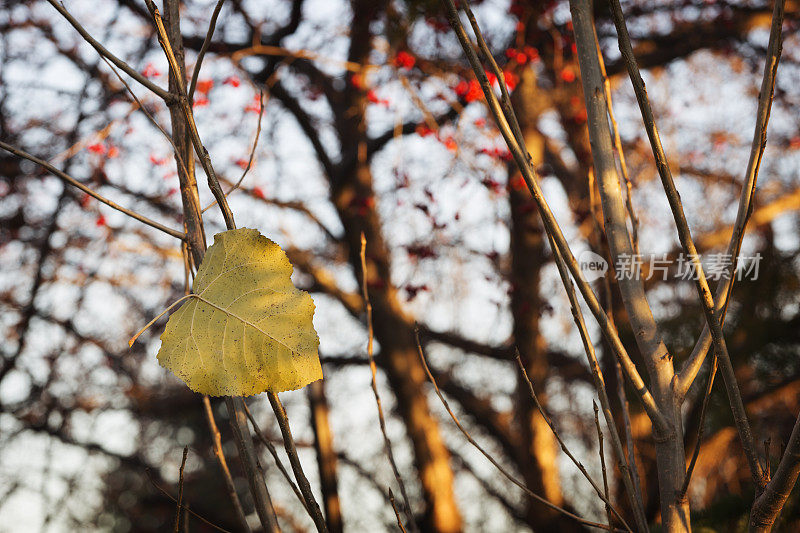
[(326, 455)]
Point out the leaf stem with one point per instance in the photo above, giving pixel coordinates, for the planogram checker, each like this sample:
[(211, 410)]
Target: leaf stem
[(162, 313)]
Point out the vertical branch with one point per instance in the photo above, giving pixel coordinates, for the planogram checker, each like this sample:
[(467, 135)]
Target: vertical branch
[(180, 490), (291, 450), (396, 512), (647, 335), (551, 224), (700, 427), (247, 454), (602, 453), (624, 407), (387, 444), (623, 166), (274, 453), (204, 48), (190, 199)]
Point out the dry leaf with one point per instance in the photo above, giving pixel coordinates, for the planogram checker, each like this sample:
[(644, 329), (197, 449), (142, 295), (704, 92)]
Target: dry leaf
[(247, 329)]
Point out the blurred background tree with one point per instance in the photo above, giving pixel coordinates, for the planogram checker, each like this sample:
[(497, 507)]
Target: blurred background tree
[(373, 123)]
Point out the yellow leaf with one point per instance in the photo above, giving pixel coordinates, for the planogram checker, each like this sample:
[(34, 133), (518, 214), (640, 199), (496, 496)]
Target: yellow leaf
[(246, 329)]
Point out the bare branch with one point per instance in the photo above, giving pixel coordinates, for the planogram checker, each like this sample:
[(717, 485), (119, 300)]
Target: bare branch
[(223, 464), (164, 95), (288, 443), (203, 49), (387, 444), (258, 489), (491, 459), (601, 452), (180, 491), (274, 453), (700, 425), (75, 183)]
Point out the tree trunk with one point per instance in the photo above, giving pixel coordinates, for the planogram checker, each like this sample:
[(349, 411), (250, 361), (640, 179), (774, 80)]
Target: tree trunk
[(326, 455)]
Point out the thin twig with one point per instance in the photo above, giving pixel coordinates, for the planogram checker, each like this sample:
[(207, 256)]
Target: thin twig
[(130, 71), (488, 456), (252, 155), (624, 408), (180, 491), (387, 444), (204, 48), (505, 98), (75, 183), (168, 495), (261, 104), (603, 495), (701, 426), (162, 313), (767, 465), (396, 512), (602, 453)]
